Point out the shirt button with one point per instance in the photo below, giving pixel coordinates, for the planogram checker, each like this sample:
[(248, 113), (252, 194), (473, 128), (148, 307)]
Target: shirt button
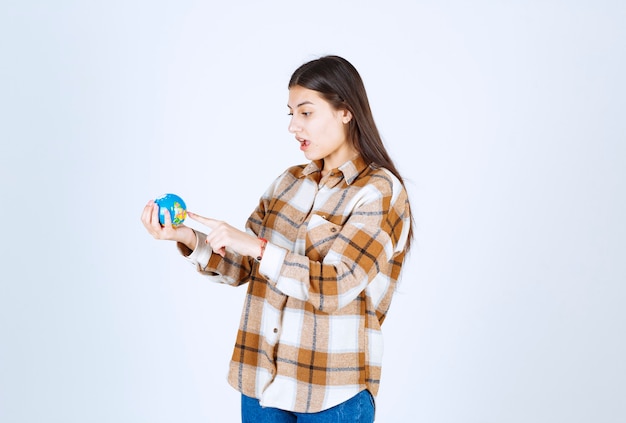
[(333, 229), (275, 330)]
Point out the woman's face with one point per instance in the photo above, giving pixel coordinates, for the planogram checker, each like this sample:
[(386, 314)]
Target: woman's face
[(319, 128)]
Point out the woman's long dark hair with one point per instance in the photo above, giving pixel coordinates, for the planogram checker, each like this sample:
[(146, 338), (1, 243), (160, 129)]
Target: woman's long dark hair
[(339, 83)]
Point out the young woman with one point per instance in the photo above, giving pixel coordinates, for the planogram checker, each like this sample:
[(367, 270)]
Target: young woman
[(321, 256)]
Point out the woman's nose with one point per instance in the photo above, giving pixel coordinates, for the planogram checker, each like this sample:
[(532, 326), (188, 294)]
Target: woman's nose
[(293, 127)]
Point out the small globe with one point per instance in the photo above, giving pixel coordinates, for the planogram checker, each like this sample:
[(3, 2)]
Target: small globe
[(176, 206)]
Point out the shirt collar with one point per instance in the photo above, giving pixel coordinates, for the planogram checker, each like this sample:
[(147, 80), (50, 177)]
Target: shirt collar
[(350, 169)]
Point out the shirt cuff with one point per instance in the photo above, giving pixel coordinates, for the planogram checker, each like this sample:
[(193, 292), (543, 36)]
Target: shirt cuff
[(200, 255), (272, 262)]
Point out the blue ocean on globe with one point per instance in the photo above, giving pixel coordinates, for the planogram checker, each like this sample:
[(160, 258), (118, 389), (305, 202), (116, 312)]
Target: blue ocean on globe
[(176, 206)]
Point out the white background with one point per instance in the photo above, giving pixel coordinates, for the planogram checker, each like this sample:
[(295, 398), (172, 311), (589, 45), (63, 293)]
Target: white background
[(506, 119)]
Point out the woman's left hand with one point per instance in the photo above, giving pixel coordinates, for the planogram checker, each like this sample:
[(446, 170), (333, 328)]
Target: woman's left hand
[(222, 236)]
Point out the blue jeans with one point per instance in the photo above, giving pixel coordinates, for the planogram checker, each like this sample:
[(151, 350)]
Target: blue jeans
[(358, 409)]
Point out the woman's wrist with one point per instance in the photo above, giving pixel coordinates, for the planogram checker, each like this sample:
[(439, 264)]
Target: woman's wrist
[(188, 237)]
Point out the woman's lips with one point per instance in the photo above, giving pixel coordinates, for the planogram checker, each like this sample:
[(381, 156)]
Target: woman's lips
[(304, 144)]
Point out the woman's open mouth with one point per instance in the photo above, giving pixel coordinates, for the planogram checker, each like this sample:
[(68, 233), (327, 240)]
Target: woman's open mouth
[(303, 143)]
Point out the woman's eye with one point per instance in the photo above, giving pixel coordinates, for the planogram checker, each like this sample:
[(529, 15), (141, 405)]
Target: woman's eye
[(305, 114)]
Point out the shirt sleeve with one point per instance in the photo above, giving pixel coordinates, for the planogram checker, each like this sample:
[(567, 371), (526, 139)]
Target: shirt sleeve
[(201, 253)]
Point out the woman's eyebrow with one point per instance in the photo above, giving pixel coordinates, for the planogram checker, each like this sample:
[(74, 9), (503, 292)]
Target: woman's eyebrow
[(301, 104)]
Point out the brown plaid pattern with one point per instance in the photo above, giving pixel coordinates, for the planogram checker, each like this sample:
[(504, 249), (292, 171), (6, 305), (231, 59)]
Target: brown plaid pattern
[(309, 335)]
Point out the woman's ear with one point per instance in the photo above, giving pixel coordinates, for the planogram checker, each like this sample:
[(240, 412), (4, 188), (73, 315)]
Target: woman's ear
[(347, 116)]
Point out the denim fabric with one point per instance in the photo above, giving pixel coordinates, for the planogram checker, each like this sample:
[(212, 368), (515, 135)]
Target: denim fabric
[(358, 409)]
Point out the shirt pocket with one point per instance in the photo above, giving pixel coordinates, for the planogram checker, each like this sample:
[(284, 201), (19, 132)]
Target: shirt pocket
[(320, 237)]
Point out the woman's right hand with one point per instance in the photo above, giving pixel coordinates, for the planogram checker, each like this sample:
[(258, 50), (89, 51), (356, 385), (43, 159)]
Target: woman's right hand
[(180, 233)]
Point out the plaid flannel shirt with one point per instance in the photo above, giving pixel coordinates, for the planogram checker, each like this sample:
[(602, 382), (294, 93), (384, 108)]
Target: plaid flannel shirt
[(310, 332)]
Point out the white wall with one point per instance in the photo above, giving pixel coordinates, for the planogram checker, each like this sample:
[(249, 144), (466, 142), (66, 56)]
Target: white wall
[(506, 118)]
